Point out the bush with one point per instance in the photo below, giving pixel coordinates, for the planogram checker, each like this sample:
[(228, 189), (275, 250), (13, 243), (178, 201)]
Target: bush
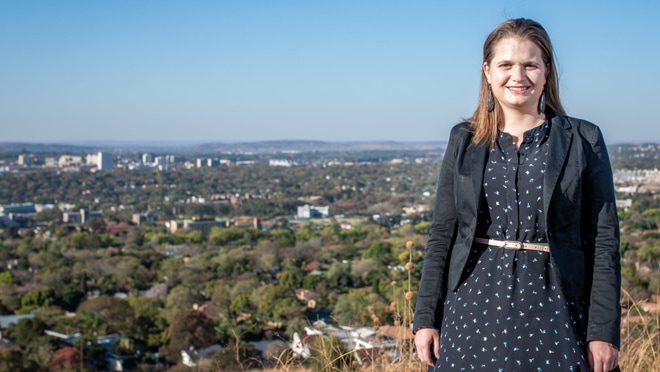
[(330, 355), (241, 357)]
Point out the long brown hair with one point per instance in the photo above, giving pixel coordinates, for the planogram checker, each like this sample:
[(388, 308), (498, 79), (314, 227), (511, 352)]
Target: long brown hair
[(485, 124)]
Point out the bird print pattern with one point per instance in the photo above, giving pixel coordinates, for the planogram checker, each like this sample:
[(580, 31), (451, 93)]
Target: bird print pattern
[(508, 314)]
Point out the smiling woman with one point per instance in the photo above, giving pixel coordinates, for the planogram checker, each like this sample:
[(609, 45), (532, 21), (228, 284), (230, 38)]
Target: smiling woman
[(522, 269), (517, 76)]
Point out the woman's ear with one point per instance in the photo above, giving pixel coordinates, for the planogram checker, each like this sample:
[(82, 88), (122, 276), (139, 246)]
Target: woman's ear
[(486, 70)]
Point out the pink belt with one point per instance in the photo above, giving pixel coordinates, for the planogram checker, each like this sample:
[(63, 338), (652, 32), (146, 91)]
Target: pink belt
[(514, 245)]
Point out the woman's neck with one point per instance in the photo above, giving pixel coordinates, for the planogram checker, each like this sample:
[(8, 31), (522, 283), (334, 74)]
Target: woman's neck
[(516, 124)]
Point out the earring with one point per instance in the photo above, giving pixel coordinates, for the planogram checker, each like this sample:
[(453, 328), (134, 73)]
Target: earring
[(542, 103), (490, 101)]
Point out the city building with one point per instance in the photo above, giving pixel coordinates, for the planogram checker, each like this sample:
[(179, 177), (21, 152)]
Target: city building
[(17, 215), (311, 211), (104, 161), (18, 208), (281, 163), (80, 217), (140, 218), (205, 226), (25, 160), (91, 159), (69, 161), (147, 158)]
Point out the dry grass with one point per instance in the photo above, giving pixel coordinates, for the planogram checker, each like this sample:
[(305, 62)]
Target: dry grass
[(640, 346), (640, 349)]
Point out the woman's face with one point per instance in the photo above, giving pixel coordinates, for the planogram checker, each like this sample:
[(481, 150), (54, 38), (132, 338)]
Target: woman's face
[(517, 75)]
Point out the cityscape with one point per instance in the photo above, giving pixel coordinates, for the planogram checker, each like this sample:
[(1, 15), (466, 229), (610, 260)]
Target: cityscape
[(268, 252), (250, 185)]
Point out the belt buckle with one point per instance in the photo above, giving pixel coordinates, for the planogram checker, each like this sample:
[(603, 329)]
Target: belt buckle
[(513, 245)]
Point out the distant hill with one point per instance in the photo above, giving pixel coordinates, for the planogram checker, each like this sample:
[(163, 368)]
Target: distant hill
[(258, 147), (44, 147), (302, 146)]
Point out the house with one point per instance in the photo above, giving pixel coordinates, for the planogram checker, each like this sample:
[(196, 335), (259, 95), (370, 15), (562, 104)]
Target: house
[(192, 356), (159, 290), (6, 320), (4, 343), (305, 294), (117, 229), (301, 345), (313, 266), (367, 344), (114, 361), (210, 310)]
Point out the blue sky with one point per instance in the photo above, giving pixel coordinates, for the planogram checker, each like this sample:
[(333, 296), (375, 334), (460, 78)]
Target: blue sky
[(341, 70)]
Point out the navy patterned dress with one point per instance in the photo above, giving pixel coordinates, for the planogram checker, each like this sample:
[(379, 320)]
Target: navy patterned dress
[(508, 314)]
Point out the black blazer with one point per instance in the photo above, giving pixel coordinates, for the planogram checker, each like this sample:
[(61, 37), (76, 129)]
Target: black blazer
[(581, 222)]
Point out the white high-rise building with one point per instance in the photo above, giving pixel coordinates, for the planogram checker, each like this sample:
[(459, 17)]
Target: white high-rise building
[(147, 158), (104, 161)]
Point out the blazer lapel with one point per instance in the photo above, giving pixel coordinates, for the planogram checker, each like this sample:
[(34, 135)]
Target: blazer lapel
[(472, 170), (559, 143)]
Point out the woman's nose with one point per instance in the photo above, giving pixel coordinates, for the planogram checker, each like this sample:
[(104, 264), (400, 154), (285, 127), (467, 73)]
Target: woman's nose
[(518, 73)]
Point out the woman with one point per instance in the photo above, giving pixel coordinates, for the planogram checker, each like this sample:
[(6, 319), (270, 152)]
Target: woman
[(522, 269)]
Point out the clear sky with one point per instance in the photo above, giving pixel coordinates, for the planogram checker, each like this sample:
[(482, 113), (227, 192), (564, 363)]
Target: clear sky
[(339, 70)]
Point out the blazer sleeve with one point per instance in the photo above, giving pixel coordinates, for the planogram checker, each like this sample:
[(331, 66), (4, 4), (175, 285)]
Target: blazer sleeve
[(441, 238), (600, 236)]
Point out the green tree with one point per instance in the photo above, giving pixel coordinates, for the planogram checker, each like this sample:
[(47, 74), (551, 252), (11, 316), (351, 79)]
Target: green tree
[(25, 330), (95, 224), (6, 278), (290, 280), (422, 228), (116, 313), (283, 237), (267, 297), (124, 346), (40, 297), (84, 240), (9, 297), (182, 297), (288, 308), (40, 351), (149, 321), (356, 308), (304, 234), (311, 281), (240, 303), (379, 251), (339, 276), (195, 237), (188, 328), (12, 359)]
